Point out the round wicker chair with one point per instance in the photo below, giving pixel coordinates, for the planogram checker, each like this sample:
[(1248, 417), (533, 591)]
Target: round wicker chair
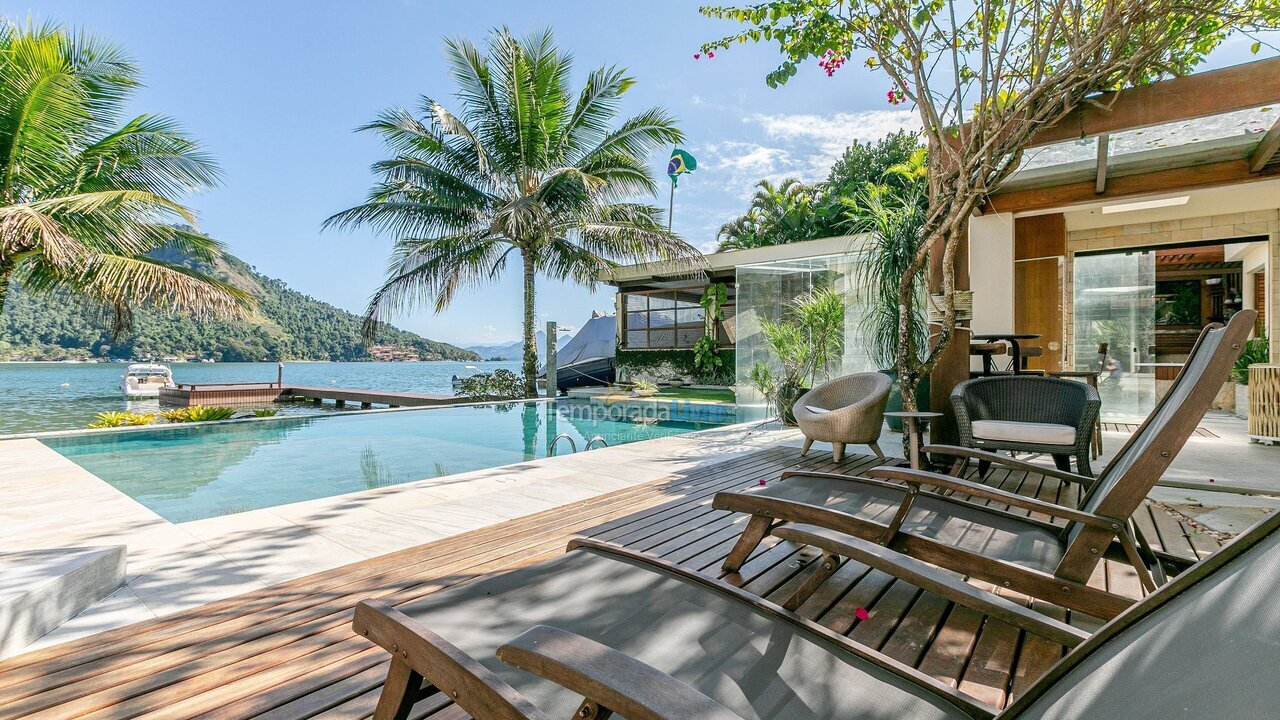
[(847, 410)]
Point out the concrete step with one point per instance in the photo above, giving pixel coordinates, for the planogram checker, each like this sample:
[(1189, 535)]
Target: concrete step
[(41, 589)]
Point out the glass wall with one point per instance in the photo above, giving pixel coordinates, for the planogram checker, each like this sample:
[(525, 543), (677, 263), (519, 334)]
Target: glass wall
[(764, 290), (1114, 302)]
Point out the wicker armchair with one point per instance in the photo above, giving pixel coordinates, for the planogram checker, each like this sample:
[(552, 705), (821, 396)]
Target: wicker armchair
[(1028, 413), (846, 410)]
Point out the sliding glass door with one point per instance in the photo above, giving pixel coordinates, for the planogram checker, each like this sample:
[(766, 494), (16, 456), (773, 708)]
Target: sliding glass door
[(1114, 329)]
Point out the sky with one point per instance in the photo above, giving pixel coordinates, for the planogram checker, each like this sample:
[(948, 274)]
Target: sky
[(274, 90)]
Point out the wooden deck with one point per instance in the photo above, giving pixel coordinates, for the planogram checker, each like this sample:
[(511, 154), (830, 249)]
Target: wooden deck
[(288, 651)]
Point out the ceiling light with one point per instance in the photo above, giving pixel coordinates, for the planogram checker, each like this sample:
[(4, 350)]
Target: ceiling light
[(1145, 205)]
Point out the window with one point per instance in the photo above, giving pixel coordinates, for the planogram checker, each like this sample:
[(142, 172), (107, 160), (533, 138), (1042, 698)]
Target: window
[(664, 318)]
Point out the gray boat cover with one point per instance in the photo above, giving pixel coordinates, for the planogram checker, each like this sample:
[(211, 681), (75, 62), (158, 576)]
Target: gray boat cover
[(597, 339)]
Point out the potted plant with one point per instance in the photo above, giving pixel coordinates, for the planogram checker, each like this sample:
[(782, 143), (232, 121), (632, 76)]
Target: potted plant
[(805, 341), (644, 388), (893, 218), (1256, 350)]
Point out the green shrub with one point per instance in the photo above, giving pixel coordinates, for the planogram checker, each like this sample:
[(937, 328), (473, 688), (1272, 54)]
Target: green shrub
[(198, 413), (265, 412), (121, 419), (1256, 350), (498, 385), (666, 363)]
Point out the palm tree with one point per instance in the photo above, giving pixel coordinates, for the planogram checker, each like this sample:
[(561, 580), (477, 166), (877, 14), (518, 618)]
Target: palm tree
[(779, 214), (525, 167), (86, 199)]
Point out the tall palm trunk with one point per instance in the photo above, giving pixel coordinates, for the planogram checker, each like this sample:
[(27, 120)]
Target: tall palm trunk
[(6, 273), (530, 336)]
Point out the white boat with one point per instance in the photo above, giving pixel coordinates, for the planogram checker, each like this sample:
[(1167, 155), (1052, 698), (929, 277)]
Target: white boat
[(143, 380)]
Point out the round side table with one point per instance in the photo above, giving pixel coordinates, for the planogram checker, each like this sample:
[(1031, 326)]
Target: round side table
[(912, 420)]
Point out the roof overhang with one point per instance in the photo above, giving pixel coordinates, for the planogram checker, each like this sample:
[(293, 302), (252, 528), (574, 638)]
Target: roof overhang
[(1233, 109), (724, 263)]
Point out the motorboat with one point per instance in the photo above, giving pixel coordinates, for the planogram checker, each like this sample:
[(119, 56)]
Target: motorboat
[(588, 358), (144, 380)]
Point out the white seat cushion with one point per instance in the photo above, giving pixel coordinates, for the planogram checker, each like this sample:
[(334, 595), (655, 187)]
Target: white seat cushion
[(816, 410), (1024, 432)]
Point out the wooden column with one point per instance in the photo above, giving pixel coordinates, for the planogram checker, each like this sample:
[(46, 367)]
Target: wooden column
[(952, 367)]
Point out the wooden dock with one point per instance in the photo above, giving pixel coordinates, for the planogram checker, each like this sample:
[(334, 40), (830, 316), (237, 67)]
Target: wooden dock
[(258, 393), (288, 651)]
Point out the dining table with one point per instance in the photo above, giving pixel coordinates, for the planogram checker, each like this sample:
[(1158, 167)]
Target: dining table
[(1015, 349)]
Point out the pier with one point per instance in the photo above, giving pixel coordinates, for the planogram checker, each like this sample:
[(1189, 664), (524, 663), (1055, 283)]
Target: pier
[(187, 394)]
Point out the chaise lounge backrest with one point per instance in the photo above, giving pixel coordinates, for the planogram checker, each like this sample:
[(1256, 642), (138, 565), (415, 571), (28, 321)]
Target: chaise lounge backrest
[(1121, 487), (1203, 646)]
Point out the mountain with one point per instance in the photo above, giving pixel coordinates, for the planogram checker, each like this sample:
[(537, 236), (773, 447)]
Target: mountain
[(288, 326), (515, 350)]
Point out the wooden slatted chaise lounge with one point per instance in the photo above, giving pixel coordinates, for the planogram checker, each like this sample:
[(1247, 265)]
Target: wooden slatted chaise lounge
[(911, 512), (602, 630)]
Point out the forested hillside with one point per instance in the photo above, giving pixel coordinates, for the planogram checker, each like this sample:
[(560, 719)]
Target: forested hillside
[(289, 326)]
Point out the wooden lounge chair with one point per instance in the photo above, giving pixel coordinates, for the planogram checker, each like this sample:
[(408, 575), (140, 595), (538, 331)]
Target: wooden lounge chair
[(908, 511), (603, 630)]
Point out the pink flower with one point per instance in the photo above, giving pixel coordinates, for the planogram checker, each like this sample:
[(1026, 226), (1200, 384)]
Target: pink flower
[(762, 482), (861, 614), (710, 54), (697, 56)]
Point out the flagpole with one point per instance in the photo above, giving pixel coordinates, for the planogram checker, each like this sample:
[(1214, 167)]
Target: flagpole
[(671, 204)]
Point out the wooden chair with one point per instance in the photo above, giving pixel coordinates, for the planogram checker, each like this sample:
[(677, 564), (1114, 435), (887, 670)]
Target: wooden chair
[(908, 511), (603, 630)]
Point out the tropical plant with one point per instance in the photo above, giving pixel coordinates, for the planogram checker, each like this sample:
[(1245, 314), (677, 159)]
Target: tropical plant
[(805, 342), (892, 218), (524, 168), (1256, 350), (708, 364), (779, 214), (121, 419), (501, 384), (197, 413), (892, 160), (644, 387), (984, 78), (265, 412), (88, 197)]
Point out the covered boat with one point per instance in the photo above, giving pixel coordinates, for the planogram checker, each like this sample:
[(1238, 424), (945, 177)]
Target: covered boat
[(144, 380), (588, 359)]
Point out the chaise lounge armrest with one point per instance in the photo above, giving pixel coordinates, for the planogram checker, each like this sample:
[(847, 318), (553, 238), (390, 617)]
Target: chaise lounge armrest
[(998, 459), (423, 663), (608, 678), (917, 478), (929, 578), (418, 655)]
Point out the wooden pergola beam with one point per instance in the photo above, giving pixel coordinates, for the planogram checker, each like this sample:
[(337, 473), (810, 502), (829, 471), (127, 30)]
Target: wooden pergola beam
[(1239, 87), (1152, 183), (1100, 177), (1266, 149)]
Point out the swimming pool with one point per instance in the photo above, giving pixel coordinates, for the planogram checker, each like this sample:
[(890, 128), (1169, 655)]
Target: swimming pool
[(191, 473)]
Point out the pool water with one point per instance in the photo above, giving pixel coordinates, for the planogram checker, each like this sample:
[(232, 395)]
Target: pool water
[(191, 473)]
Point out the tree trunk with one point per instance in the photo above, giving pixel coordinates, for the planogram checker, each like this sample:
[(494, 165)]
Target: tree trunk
[(6, 274), (530, 337)]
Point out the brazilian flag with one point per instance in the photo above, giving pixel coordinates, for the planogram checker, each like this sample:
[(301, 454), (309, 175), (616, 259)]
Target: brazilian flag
[(680, 163)]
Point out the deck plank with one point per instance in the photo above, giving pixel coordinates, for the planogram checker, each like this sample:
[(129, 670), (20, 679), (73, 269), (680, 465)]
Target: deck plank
[(288, 651)]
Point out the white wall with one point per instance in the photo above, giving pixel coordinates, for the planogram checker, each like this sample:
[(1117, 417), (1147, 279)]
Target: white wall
[(991, 272)]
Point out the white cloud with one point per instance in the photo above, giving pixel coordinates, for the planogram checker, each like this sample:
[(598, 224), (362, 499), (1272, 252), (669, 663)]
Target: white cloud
[(819, 140)]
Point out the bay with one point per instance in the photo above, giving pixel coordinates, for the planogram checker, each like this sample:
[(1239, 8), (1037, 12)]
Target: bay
[(36, 397)]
